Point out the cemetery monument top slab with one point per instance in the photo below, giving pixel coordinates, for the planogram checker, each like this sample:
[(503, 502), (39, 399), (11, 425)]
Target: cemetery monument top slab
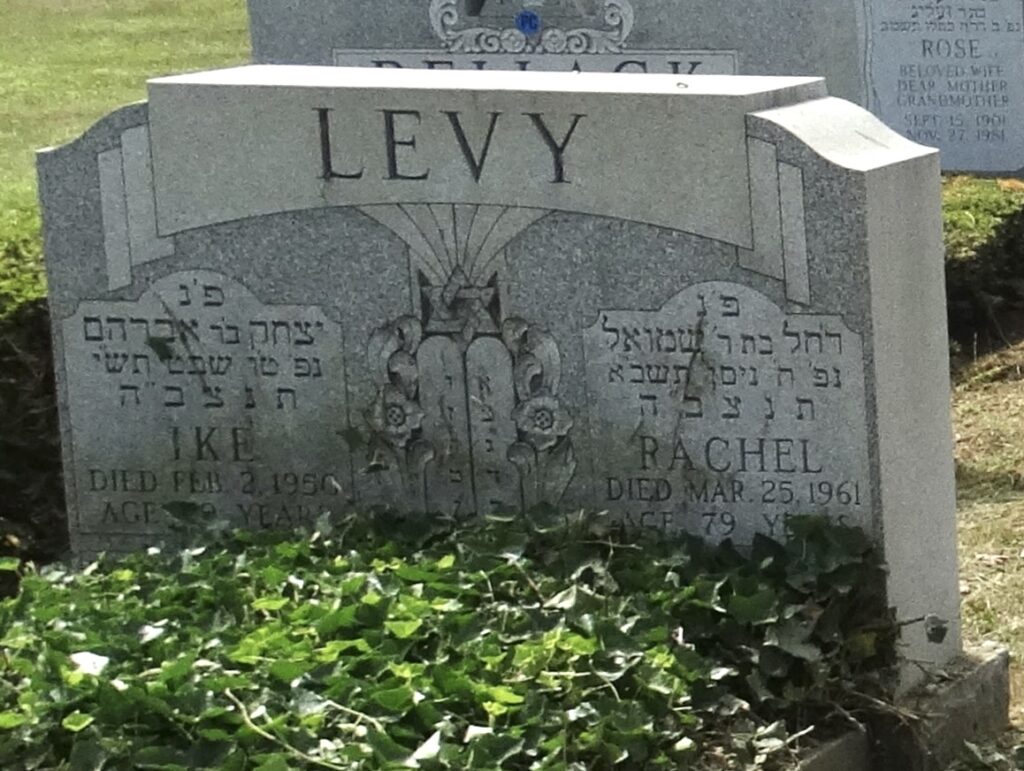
[(301, 77)]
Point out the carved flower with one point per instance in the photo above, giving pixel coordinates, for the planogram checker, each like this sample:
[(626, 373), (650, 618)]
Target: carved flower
[(394, 416), (554, 40), (513, 41), (543, 420)]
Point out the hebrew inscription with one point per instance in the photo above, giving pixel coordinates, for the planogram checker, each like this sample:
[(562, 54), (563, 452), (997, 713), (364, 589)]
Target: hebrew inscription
[(466, 425), (722, 415), (200, 394)]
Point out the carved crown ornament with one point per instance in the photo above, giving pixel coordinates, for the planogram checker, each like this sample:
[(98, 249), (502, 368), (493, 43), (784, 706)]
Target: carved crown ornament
[(459, 37)]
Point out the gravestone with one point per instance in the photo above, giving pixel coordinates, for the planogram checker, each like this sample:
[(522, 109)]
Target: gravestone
[(701, 304), (948, 74)]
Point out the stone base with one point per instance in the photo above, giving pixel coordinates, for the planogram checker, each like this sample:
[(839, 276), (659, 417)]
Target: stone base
[(850, 752), (972, 704)]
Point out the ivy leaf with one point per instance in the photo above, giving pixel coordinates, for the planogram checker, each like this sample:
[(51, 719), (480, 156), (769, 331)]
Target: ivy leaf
[(564, 600), (476, 731), (174, 670), (215, 734), (159, 757), (89, 663), (492, 750), (87, 755), (774, 662), (452, 682), (335, 648), (863, 645), (288, 671), (578, 644), (342, 618), (396, 700), (495, 708), (429, 750), (447, 562), (504, 695), (386, 747), (757, 608), (730, 705), (416, 574), (10, 564), (9, 720), (149, 632), (276, 762), (403, 630), (77, 721), (685, 745), (792, 638), (269, 603)]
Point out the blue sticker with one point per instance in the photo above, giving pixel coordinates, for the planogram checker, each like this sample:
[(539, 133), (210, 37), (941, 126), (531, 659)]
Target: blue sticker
[(528, 22)]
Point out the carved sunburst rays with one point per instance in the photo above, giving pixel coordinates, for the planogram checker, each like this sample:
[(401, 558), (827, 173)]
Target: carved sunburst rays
[(446, 238)]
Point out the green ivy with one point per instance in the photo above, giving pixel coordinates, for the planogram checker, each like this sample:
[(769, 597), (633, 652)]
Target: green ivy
[(519, 644), (983, 222), (22, 277)]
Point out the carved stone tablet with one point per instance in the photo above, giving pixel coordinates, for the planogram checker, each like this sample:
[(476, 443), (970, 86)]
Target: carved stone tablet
[(951, 75)]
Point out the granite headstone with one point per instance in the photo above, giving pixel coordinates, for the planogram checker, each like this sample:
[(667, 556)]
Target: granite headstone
[(701, 304), (948, 74)]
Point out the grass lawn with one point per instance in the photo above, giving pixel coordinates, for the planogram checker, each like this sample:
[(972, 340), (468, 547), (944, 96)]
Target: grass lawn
[(65, 63), (989, 423)]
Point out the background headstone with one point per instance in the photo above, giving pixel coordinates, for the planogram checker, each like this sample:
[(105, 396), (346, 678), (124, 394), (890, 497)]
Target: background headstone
[(946, 74), (702, 304)]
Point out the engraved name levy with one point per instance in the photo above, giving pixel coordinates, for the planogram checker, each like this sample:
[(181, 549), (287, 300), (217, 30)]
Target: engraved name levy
[(199, 393), (412, 148), (724, 416), (400, 137)]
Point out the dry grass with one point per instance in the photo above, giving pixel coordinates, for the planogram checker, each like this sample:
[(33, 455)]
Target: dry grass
[(988, 408)]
